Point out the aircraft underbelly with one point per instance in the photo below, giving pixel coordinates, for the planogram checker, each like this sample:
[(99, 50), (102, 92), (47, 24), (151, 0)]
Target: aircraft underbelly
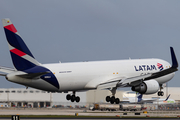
[(73, 83)]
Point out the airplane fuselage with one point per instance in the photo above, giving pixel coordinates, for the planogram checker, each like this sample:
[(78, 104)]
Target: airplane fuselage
[(88, 75)]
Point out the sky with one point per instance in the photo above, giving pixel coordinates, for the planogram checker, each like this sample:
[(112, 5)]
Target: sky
[(93, 30)]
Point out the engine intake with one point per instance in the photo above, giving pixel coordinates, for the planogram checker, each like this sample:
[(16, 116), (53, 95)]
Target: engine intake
[(147, 87)]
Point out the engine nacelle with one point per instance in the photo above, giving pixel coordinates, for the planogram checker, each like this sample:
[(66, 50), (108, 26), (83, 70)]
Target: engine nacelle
[(147, 87)]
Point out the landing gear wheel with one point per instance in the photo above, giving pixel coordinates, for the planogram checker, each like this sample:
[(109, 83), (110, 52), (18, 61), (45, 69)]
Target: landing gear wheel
[(108, 98), (73, 98), (160, 93), (77, 99), (117, 101), (68, 97), (112, 100)]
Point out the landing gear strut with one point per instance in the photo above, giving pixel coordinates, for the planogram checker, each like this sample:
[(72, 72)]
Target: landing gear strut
[(73, 97), (112, 99)]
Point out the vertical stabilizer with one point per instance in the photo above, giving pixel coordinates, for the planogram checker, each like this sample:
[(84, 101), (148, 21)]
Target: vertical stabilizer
[(21, 56), (167, 97), (140, 98)]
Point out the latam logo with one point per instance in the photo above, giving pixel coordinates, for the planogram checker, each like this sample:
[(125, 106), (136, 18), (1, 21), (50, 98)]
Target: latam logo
[(160, 66), (148, 67), (145, 67)]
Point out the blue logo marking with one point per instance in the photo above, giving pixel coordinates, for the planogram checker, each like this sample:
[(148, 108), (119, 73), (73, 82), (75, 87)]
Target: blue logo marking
[(145, 67)]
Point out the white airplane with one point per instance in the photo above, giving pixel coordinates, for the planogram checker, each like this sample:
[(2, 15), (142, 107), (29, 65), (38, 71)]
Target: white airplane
[(145, 76), (139, 100)]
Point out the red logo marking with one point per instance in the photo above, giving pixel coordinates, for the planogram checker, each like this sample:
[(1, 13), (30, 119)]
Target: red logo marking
[(18, 52), (11, 28)]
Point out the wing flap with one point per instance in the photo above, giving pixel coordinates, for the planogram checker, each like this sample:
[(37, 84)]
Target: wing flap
[(133, 79), (108, 85)]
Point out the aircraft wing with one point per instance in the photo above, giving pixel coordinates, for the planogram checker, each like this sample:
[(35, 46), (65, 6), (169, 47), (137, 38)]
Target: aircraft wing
[(133, 81), (108, 85), (172, 69)]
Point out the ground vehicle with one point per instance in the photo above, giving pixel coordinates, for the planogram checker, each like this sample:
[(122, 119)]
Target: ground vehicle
[(110, 107), (130, 107)]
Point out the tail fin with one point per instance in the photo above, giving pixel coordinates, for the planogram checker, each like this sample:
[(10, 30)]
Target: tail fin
[(21, 56), (140, 98), (168, 97)]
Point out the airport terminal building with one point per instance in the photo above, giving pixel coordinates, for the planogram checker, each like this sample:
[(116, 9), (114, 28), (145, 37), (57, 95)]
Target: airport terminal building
[(21, 97)]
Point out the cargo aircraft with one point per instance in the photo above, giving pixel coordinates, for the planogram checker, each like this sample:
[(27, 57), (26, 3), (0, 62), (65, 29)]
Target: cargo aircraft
[(145, 76)]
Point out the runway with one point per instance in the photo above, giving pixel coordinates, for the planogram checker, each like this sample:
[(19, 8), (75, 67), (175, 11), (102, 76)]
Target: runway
[(82, 113), (86, 119)]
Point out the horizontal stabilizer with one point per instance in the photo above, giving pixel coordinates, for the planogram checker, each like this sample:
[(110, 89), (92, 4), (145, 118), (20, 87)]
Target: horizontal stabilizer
[(32, 75), (6, 70), (1, 74)]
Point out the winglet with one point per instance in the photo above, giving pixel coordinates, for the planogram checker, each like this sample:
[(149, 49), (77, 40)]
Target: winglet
[(168, 97), (173, 57)]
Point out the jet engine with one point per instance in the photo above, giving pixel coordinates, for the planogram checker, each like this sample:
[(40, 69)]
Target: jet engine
[(147, 87)]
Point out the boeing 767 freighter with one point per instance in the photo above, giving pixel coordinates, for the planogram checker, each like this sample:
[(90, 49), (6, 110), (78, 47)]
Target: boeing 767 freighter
[(145, 76)]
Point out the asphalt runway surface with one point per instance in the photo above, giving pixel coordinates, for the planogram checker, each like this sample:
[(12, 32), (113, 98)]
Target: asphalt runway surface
[(83, 112), (90, 118)]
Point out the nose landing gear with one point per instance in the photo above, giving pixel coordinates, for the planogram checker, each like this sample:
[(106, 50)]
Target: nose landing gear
[(160, 93), (73, 97)]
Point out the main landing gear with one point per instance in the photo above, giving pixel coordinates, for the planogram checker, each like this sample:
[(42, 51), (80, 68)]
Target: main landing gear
[(112, 99), (73, 97)]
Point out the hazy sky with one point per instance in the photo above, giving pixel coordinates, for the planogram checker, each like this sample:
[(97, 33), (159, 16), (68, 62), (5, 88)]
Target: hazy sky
[(90, 30)]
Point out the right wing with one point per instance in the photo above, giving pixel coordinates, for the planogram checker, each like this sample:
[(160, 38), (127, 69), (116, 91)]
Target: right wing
[(172, 69), (133, 81)]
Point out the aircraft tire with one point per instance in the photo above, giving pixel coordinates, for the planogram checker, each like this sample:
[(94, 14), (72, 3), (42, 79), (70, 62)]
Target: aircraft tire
[(162, 93), (68, 96), (117, 100), (112, 100), (73, 98), (108, 98), (77, 99), (159, 93)]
